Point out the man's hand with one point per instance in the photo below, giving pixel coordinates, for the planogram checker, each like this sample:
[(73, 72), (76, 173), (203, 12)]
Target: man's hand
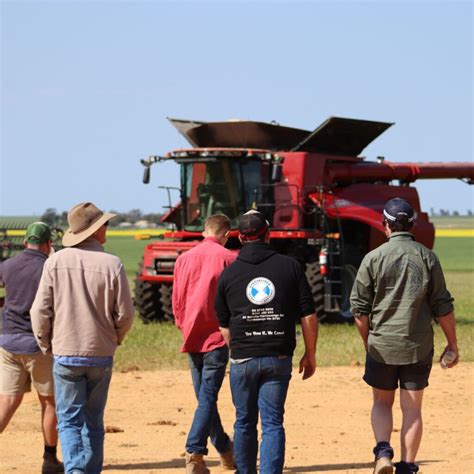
[(309, 326), (362, 323), (448, 326), (226, 335), (307, 365), (451, 348)]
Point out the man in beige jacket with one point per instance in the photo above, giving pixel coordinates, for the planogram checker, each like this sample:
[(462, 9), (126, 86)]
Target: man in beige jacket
[(81, 312)]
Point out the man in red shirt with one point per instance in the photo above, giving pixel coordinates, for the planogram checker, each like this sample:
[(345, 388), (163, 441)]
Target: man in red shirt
[(194, 290)]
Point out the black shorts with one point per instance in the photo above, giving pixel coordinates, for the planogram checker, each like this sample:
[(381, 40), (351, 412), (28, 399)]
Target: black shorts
[(386, 377)]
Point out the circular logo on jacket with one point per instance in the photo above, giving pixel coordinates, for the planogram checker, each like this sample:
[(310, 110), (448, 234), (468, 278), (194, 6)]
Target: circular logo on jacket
[(260, 291)]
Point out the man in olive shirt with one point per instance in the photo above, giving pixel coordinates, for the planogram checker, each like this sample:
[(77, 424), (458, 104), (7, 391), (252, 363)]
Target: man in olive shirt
[(399, 290)]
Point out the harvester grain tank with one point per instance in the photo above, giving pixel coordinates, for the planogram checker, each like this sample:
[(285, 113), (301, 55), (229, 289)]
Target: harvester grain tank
[(323, 200)]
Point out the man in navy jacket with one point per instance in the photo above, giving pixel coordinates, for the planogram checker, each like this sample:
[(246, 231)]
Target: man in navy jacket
[(260, 298)]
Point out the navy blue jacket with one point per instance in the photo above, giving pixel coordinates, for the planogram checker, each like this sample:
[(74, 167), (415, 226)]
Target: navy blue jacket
[(259, 298)]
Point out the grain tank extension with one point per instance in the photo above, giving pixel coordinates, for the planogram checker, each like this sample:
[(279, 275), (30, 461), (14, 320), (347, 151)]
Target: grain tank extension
[(322, 199)]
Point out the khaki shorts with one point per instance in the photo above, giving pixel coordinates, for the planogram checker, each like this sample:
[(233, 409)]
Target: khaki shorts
[(18, 371)]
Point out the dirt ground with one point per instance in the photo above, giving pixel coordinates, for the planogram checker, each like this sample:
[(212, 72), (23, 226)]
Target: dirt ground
[(327, 424)]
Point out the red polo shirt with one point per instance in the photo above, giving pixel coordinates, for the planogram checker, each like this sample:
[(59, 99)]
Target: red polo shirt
[(194, 289)]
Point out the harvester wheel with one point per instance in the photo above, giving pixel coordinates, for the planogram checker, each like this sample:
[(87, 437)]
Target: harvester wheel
[(349, 273), (166, 302), (147, 300), (316, 282)]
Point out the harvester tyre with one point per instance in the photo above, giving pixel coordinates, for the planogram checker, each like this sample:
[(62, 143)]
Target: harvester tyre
[(147, 300), (166, 302), (316, 283)]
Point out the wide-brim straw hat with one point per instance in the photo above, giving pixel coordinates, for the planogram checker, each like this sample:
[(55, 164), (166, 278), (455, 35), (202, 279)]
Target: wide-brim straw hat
[(84, 220)]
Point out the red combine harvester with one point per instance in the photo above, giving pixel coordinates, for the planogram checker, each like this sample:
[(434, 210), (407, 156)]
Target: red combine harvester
[(323, 201)]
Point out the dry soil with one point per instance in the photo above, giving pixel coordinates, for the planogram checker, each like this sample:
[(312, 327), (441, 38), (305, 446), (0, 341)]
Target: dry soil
[(327, 424)]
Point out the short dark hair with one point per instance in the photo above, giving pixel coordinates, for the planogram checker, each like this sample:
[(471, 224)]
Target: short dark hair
[(400, 225), (217, 224)]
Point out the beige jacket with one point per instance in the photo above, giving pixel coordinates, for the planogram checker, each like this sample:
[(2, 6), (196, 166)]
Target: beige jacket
[(83, 305)]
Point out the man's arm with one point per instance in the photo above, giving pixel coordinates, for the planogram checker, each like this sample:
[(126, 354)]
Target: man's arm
[(222, 311), (123, 311), (441, 303), (309, 326), (362, 323), (362, 294), (439, 298), (361, 299), (226, 335), (448, 326), (176, 295), (42, 311)]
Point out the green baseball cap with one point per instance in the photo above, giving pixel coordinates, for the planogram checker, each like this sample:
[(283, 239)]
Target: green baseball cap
[(38, 233)]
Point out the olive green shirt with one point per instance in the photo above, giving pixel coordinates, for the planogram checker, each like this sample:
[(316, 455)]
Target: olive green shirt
[(401, 287)]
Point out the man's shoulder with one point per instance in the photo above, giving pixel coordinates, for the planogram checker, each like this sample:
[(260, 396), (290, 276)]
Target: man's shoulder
[(69, 255), (22, 258), (427, 254), (412, 246), (288, 260), (189, 254), (228, 255), (208, 250), (376, 254), (282, 261)]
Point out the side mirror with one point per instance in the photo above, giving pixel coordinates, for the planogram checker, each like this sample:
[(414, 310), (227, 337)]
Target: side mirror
[(277, 172), (146, 175)]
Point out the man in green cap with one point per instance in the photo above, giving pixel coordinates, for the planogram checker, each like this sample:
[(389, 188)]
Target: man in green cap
[(21, 361)]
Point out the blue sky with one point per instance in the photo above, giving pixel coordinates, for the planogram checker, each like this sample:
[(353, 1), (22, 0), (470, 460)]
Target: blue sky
[(87, 87)]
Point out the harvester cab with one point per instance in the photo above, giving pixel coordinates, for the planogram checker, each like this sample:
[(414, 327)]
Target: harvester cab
[(322, 199), (220, 181)]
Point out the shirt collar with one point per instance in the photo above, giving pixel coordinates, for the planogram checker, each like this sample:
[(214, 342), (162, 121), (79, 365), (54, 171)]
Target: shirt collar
[(35, 252), (90, 244), (402, 236), (212, 239)]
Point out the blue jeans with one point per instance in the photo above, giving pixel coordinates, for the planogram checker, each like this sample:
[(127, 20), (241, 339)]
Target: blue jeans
[(208, 371), (81, 395), (260, 385)]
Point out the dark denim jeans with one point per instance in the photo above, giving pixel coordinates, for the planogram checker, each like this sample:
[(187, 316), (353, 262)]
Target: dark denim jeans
[(81, 395), (208, 371), (260, 385)]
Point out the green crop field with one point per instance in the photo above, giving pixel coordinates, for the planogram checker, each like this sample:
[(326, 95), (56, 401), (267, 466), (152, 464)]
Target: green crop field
[(16, 222), (453, 222), (155, 346)]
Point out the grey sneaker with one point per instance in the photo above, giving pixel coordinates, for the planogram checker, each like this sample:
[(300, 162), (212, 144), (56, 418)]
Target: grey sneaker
[(195, 464), (383, 465)]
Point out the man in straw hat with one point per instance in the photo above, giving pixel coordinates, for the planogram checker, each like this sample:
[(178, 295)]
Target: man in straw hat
[(81, 312), (21, 361)]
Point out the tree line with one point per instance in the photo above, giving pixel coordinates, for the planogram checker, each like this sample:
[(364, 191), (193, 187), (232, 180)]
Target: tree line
[(59, 219)]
